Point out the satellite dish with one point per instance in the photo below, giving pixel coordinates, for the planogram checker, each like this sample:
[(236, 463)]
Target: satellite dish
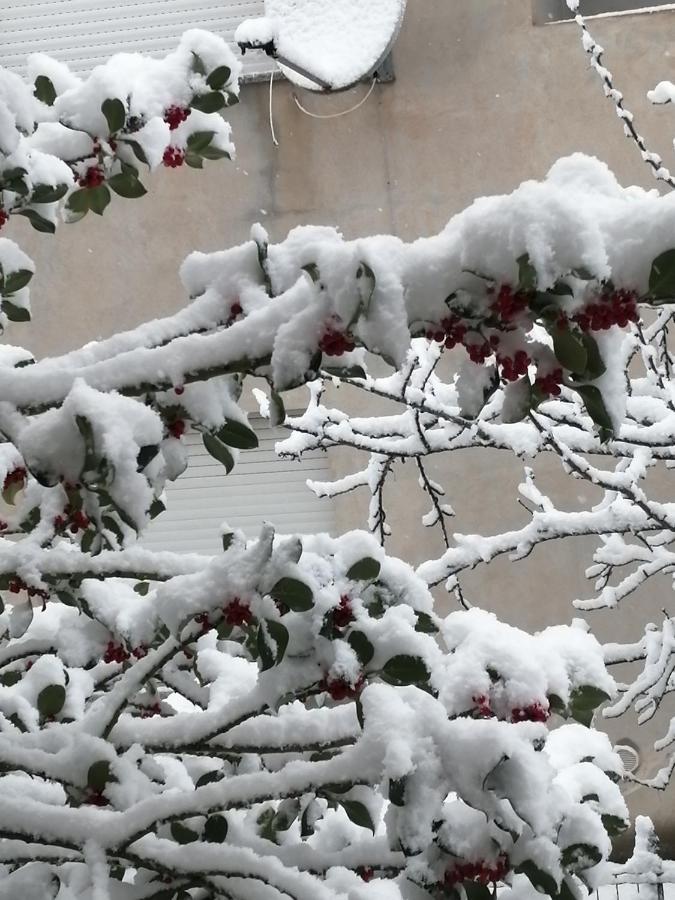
[(325, 45)]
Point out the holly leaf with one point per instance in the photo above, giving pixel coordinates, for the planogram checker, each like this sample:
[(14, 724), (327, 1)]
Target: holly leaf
[(48, 193), (115, 114), (596, 409), (580, 856), (51, 699), (218, 450), (98, 775), (219, 78), (44, 90), (366, 569), (200, 140), (182, 834), (296, 595), (99, 198), (588, 696), (238, 435), (15, 281), (614, 825), (126, 184), (39, 223), (361, 646), (404, 670), (539, 879), (569, 350), (662, 276), (215, 829), (208, 103), (358, 814), (527, 274), (425, 624)]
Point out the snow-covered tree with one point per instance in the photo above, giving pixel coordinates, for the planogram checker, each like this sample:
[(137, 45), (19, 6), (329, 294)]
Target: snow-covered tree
[(291, 717)]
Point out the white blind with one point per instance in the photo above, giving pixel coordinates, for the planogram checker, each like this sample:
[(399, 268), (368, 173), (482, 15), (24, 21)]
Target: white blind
[(261, 487), (84, 33)]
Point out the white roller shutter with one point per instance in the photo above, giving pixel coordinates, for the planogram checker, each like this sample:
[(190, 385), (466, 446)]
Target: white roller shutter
[(261, 487), (84, 33)]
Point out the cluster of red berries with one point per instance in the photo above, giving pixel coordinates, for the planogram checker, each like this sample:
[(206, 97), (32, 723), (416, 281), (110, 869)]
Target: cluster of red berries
[(115, 653), (154, 709), (73, 519), (92, 178), (343, 614), (96, 798), (366, 873), (514, 367), (173, 157), (177, 428), (341, 689), (534, 712), (482, 708), (235, 310), (508, 303), (481, 871), (616, 308), (550, 384), (4, 217), (450, 332), (237, 613), (16, 585), (175, 116), (335, 343), (16, 476)]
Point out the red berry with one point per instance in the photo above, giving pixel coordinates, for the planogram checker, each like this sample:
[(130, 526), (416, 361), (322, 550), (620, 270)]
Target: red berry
[(179, 390), (341, 689), (4, 217), (175, 115), (92, 178), (236, 613), (235, 310), (366, 873), (343, 614), (173, 157), (16, 586), (177, 428)]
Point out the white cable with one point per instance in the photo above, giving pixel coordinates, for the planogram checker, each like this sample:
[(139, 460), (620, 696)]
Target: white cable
[(335, 115), (274, 137)]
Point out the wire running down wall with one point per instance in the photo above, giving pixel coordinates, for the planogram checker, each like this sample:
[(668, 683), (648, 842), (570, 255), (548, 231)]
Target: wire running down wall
[(84, 33)]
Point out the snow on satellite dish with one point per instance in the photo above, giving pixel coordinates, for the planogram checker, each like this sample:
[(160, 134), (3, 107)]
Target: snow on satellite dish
[(325, 45)]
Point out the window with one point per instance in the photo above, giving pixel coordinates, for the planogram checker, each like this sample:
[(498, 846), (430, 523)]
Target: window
[(261, 488), (546, 11), (84, 33)]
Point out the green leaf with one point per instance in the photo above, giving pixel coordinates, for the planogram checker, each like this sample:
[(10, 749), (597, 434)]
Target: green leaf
[(47, 193), (200, 140), (227, 540), (236, 434), (583, 273), (397, 791), (540, 880), (14, 281), (219, 78), (296, 595), (10, 678), (279, 633), (404, 669), (614, 825), (595, 366), (194, 160), (138, 151), (367, 273), (156, 507), (580, 856), (98, 775), (662, 276), (569, 350), (219, 451), (476, 891), (15, 313), (182, 834), (115, 114), (425, 624), (215, 829), (99, 198), (215, 153), (358, 813), (209, 778), (125, 184), (313, 271), (146, 454), (595, 406), (142, 588), (51, 699), (39, 223), (527, 274), (198, 64), (277, 410), (208, 103), (361, 646), (366, 569), (588, 696), (264, 651), (66, 598), (79, 201), (44, 90), (556, 703)]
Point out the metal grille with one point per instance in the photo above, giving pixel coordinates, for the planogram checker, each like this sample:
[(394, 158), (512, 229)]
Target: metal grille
[(84, 33)]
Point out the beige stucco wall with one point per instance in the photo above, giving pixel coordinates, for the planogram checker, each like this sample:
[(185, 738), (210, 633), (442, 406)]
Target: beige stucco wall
[(483, 100)]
